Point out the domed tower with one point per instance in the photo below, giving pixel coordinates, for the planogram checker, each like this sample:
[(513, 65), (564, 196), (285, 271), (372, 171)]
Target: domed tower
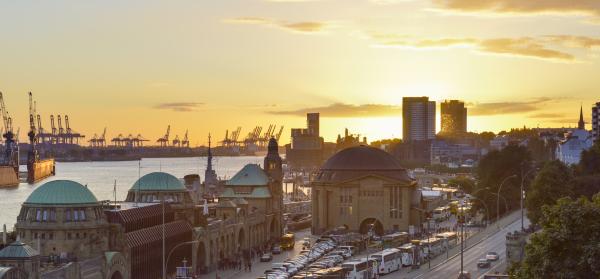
[(274, 170)]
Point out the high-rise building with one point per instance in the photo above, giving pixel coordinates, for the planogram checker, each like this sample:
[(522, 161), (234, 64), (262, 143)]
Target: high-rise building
[(454, 117), (596, 122), (418, 117), (312, 123)]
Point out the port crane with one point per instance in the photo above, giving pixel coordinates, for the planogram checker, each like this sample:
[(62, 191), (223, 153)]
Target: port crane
[(32, 155), (164, 141), (11, 149), (176, 141), (186, 141)]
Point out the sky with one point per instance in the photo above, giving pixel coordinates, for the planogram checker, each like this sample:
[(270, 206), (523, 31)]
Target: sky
[(205, 66)]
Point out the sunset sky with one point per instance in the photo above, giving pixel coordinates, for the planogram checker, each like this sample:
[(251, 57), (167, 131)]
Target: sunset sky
[(211, 65)]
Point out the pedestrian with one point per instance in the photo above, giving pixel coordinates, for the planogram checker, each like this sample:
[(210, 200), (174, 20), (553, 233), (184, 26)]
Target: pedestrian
[(250, 267)]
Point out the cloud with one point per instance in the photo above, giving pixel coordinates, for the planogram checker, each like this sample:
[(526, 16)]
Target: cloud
[(525, 46), (546, 115), (298, 26), (347, 110), (486, 109), (180, 106), (585, 7), (544, 47)]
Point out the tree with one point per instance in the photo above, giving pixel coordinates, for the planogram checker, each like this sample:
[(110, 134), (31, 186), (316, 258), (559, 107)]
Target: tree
[(590, 161), (550, 184), (493, 169), (464, 183), (568, 246)]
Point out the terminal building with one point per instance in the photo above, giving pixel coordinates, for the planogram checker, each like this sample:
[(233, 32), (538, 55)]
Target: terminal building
[(362, 188), (63, 231)]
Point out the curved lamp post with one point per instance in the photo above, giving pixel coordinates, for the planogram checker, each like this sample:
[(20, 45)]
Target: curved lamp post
[(498, 200), (171, 252)]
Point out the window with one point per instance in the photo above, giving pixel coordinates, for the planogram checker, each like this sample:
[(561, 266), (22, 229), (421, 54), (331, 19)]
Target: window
[(52, 215), (68, 215), (75, 215), (51, 236), (45, 215), (38, 215), (82, 214)]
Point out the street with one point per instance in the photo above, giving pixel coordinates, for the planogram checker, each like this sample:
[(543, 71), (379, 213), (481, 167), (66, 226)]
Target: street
[(496, 242)]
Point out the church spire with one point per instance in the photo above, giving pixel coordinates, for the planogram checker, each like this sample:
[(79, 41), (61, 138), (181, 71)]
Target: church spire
[(581, 124), (209, 163)]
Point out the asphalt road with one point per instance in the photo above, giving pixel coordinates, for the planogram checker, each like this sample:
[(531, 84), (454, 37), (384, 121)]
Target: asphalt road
[(494, 243)]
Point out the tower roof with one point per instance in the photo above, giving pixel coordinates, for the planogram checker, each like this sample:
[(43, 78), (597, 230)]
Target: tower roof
[(249, 175), (158, 181), (18, 250)]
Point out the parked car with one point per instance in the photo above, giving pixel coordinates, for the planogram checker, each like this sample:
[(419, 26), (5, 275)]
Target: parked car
[(483, 263), (492, 256), (266, 257)]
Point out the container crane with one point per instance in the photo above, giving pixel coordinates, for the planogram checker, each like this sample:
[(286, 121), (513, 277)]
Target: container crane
[(164, 141), (176, 141), (278, 136), (32, 155), (11, 150), (61, 131), (186, 141), (54, 136)]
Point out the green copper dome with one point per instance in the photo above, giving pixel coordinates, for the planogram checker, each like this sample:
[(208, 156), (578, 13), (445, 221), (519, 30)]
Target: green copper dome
[(60, 192), (158, 181)]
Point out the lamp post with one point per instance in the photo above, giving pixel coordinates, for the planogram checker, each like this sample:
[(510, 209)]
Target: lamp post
[(498, 200), (170, 252), (523, 195)]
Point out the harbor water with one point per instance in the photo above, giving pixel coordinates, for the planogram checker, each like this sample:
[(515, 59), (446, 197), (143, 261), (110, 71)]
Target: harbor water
[(100, 177)]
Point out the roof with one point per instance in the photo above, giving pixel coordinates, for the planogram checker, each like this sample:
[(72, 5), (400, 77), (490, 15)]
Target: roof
[(241, 201), (60, 192), (154, 234), (134, 218), (361, 161), (249, 175), (18, 250), (257, 193), (226, 204), (362, 157), (158, 181)]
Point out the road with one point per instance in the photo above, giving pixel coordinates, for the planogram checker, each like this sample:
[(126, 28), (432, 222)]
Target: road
[(495, 242)]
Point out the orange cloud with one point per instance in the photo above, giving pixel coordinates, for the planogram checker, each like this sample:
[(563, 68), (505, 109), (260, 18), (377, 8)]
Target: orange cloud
[(544, 47), (300, 26), (347, 110), (589, 7)]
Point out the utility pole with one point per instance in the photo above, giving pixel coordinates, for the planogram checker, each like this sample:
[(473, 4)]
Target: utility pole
[(163, 239)]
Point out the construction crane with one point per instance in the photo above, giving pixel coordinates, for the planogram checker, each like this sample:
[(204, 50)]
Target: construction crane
[(186, 141), (164, 141), (118, 141), (41, 132), (102, 139)]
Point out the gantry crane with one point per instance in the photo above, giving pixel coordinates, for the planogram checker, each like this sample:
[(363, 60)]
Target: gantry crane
[(164, 141), (186, 141), (11, 149)]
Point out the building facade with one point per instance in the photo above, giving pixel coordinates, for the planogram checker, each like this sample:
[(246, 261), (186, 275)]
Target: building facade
[(454, 117), (596, 122), (360, 188), (305, 150), (418, 118)]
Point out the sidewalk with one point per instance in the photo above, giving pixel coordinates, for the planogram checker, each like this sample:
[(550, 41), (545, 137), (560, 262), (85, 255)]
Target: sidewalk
[(469, 242)]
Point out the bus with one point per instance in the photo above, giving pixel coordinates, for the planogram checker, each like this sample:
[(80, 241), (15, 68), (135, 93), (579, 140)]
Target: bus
[(451, 239), (410, 254), (288, 241), (372, 268), (388, 260), (356, 269), (331, 273), (432, 247), (394, 240), (441, 213)]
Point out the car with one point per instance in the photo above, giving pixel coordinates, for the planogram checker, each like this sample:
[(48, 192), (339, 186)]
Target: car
[(276, 250), (266, 257), (483, 263), (492, 256), (464, 275)]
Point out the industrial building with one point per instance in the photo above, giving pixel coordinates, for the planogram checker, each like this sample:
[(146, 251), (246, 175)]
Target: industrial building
[(305, 150)]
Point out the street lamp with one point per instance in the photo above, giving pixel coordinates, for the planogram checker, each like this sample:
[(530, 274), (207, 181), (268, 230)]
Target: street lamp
[(498, 200), (523, 194), (172, 250)]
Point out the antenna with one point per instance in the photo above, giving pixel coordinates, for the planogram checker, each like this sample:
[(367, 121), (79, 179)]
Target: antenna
[(115, 192), (138, 182)]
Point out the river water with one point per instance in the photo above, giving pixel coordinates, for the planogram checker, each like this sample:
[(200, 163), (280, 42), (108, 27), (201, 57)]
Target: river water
[(100, 177)]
